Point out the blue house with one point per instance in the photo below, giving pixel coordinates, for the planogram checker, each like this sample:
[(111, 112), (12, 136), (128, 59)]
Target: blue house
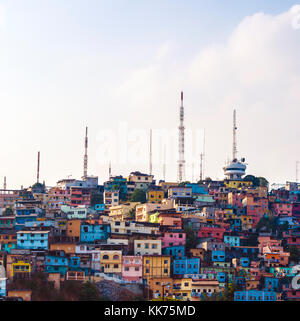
[(196, 189), (100, 207), (90, 233), (271, 284), (177, 252), (255, 295), (244, 261), (56, 263), (32, 239), (218, 256), (236, 224), (2, 281), (24, 215), (117, 183), (232, 240), (186, 266), (222, 277)]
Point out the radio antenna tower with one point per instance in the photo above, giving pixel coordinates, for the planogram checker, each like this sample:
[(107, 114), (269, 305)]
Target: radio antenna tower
[(234, 147), (85, 162), (150, 155), (109, 170), (4, 185), (164, 166), (202, 159), (201, 166), (181, 161), (38, 169)]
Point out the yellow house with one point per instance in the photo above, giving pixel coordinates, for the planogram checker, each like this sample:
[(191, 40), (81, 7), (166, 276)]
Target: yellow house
[(147, 247), (153, 218), (156, 266), (205, 287), (20, 267), (111, 262), (182, 288), (121, 212), (155, 196), (237, 184), (246, 222)]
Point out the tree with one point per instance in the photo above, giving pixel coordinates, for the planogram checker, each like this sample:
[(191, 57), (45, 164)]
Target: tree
[(89, 292), (96, 198), (256, 181), (182, 184), (8, 212), (131, 213), (253, 179), (294, 254), (263, 182), (191, 238), (138, 196)]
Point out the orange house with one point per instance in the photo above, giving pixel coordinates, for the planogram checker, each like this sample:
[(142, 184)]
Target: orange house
[(73, 229), (69, 248)]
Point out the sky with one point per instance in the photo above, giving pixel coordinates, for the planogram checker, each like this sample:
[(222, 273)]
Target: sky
[(119, 66)]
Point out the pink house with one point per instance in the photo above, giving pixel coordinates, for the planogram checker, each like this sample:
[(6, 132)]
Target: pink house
[(211, 232), (173, 238), (282, 209), (132, 268), (264, 241)]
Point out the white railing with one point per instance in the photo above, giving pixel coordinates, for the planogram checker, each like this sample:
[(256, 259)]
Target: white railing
[(116, 279)]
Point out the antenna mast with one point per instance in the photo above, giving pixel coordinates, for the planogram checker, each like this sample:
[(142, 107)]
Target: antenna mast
[(38, 168), (164, 166), (234, 147), (202, 159), (109, 170), (85, 162), (150, 156), (181, 161), (4, 184)]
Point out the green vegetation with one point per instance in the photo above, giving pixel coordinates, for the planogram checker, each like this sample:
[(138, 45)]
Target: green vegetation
[(96, 198), (44, 290), (228, 293), (294, 254), (270, 224), (256, 181), (191, 237), (8, 212), (182, 184), (138, 196)]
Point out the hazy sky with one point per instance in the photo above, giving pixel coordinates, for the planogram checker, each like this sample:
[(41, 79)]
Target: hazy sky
[(118, 67)]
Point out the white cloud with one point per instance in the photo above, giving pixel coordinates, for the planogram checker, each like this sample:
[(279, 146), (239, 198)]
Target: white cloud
[(257, 71), (2, 17)]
